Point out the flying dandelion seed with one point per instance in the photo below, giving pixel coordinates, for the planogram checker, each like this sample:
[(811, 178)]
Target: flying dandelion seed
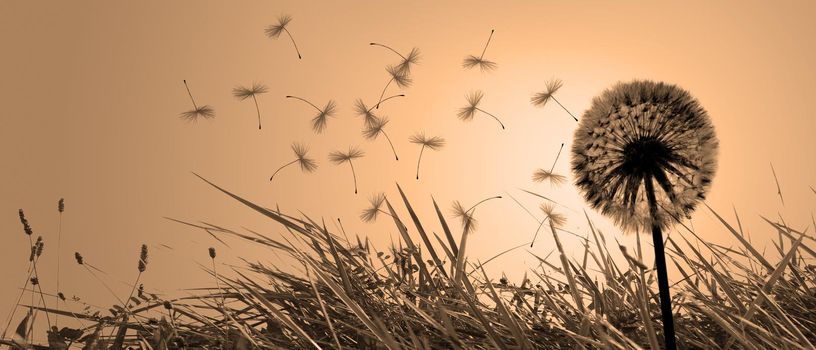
[(542, 175), (366, 112), (274, 31), (540, 99), (339, 157), (484, 65), (407, 60), (204, 111), (474, 99), (398, 77), (307, 165), (243, 93), (374, 209), (433, 143), (636, 134), (377, 127), (323, 115), (557, 219)]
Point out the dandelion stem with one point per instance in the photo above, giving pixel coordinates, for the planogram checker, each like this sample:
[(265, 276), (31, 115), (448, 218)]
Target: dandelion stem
[(391, 144), (258, 109), (354, 175), (293, 42), (556, 157), (419, 160), (388, 47), (662, 275), (383, 93), (538, 229), (304, 100), (565, 108), (472, 208), (488, 43), (494, 117), (385, 99), (281, 168), (191, 94)]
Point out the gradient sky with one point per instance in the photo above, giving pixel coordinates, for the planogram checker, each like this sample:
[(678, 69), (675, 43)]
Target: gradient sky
[(91, 95)]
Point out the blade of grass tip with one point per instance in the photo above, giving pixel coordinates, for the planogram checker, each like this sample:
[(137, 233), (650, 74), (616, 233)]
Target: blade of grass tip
[(408, 241), (381, 334), (421, 232), (567, 271), (201, 227), (323, 309), (257, 208), (275, 312), (448, 253), (726, 287), (768, 286), (757, 255), (510, 321), (446, 229), (341, 268)]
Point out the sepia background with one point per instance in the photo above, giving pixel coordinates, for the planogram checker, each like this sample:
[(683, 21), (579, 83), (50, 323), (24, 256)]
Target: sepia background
[(91, 95)]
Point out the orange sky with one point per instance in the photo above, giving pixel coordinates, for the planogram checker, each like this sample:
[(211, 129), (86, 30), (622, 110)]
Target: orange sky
[(91, 96)]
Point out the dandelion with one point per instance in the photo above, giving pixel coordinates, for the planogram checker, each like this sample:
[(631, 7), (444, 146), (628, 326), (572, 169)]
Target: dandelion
[(322, 117), (274, 31), (398, 77), (473, 99), (485, 65), (433, 143), (364, 111), (542, 175), (540, 99), (243, 93), (633, 136), (339, 157), (204, 111), (377, 127), (556, 219), (307, 165), (374, 209)]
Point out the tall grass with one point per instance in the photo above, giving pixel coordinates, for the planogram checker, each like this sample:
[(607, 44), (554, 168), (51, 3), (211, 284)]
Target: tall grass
[(349, 295)]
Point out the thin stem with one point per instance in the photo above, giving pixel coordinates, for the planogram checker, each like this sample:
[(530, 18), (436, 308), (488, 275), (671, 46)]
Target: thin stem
[(191, 94), (39, 284), (354, 175), (419, 160), (383, 93), (59, 244), (223, 299), (565, 108), (17, 304), (494, 117), (556, 157), (539, 228), (281, 168), (385, 99), (390, 143), (660, 266), (388, 47), (304, 100), (257, 109), (293, 42), (488, 43), (482, 201)]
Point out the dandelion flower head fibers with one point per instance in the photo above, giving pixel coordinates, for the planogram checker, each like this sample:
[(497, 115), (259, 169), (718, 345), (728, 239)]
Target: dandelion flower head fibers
[(644, 134)]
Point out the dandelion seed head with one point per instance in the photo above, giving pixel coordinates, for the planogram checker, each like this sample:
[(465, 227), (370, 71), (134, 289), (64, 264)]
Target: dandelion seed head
[(243, 93), (274, 31), (372, 130), (306, 164), (483, 64), (364, 111), (644, 131), (375, 203), (542, 175), (466, 217), (556, 218), (339, 157), (321, 119), (204, 111), (540, 99), (474, 98), (400, 77), (433, 143)]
